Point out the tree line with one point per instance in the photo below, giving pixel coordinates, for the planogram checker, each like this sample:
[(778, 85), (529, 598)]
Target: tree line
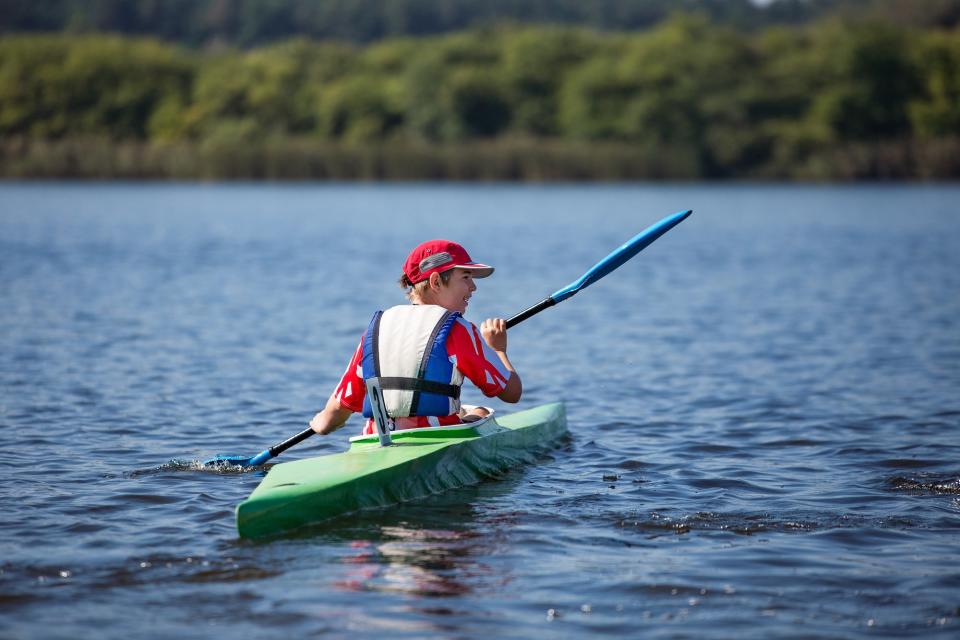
[(686, 99)]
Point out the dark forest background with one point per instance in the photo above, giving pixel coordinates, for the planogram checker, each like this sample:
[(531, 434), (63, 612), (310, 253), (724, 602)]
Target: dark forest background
[(480, 89)]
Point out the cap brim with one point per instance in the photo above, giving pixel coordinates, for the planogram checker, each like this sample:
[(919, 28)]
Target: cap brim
[(477, 269)]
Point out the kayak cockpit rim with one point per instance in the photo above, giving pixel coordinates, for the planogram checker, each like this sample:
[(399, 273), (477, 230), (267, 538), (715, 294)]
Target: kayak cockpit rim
[(462, 429), (385, 425)]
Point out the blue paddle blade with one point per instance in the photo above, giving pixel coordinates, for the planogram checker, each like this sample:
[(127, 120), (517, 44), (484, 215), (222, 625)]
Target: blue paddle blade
[(260, 458), (629, 249), (226, 459)]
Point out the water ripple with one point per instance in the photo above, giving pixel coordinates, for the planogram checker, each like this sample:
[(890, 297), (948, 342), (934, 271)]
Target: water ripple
[(762, 405)]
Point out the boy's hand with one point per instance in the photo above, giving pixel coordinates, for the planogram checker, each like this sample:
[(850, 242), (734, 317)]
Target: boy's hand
[(494, 331)]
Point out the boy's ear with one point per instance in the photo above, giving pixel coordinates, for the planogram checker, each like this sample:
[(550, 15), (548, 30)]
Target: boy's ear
[(435, 280)]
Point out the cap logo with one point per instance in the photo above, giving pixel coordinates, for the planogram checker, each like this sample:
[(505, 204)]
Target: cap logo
[(434, 261)]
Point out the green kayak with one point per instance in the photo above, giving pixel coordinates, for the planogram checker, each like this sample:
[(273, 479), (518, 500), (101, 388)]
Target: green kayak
[(419, 463)]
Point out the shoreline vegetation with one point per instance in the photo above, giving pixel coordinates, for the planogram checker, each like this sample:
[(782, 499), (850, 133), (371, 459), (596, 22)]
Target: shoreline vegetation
[(835, 99), (529, 160)]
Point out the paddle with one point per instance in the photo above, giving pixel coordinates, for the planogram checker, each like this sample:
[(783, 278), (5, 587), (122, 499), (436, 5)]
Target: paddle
[(606, 266), (223, 459), (632, 247)]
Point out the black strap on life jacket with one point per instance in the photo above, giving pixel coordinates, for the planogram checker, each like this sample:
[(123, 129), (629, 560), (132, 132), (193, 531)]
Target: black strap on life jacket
[(418, 386)]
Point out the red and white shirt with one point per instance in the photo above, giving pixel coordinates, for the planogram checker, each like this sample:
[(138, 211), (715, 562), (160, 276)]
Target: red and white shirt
[(472, 359)]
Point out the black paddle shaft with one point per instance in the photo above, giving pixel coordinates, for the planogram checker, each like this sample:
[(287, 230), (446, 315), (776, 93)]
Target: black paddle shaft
[(286, 444), (546, 303)]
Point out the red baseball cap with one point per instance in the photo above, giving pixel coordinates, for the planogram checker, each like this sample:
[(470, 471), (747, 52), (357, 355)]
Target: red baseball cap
[(435, 256)]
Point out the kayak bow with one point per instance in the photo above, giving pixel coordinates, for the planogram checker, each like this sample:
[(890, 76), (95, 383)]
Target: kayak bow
[(419, 463)]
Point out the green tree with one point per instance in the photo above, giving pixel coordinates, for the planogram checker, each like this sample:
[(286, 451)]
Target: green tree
[(681, 87), (51, 87), (535, 61), (451, 88), (867, 81), (478, 104), (594, 98), (360, 109), (936, 112), (425, 113), (273, 90)]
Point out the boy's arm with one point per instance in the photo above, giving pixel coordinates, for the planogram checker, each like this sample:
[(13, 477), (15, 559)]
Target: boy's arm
[(494, 332), (349, 391), (333, 416)]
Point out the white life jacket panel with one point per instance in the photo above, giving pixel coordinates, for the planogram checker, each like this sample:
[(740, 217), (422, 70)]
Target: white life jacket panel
[(405, 347)]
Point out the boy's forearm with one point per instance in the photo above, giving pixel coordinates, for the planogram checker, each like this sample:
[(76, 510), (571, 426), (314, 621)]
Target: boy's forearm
[(333, 416), (514, 389)]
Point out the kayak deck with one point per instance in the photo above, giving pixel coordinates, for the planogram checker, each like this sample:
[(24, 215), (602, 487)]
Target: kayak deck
[(419, 463)]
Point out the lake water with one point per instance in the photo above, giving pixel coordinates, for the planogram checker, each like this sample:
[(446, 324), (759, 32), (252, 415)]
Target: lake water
[(764, 409)]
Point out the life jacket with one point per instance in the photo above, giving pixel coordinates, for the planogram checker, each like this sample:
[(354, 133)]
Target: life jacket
[(406, 348)]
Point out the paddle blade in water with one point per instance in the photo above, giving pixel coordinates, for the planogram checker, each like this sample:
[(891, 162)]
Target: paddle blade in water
[(240, 461), (263, 456), (226, 459)]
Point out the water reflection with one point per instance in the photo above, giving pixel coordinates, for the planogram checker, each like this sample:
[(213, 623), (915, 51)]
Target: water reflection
[(422, 562), (439, 547)]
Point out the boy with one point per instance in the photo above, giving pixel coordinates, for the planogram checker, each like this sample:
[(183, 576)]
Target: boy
[(423, 351)]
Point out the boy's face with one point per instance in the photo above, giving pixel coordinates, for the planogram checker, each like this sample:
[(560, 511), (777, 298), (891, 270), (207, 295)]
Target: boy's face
[(456, 294)]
